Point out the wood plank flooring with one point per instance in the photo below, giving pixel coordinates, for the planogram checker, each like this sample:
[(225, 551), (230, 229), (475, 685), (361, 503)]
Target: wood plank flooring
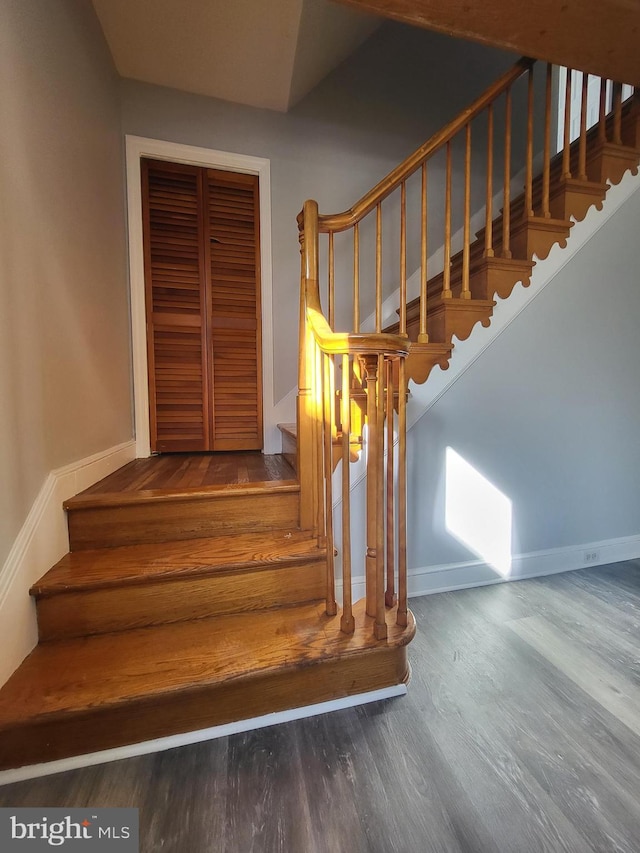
[(520, 734), (179, 471)]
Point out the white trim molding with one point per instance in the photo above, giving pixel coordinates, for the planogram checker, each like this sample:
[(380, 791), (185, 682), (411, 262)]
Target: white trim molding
[(136, 148), (41, 542), (427, 580), (7, 777)]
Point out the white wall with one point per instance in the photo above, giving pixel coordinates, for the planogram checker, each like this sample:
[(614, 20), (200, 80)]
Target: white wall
[(549, 414), (402, 85), (64, 340)]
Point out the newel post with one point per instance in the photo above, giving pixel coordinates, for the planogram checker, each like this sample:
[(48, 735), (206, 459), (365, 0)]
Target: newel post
[(307, 427)]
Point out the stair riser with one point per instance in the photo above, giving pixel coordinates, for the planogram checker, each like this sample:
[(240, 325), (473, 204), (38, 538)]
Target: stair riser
[(496, 276), (575, 202), (449, 319), (610, 162), (200, 707), (76, 614), (290, 450), (110, 526), (537, 237)]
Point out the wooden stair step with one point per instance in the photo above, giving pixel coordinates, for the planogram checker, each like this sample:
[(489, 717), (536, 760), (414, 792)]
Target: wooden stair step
[(116, 589), (161, 515), (608, 161), (423, 357), (574, 197), (449, 317), (537, 235), (290, 444), (82, 695)]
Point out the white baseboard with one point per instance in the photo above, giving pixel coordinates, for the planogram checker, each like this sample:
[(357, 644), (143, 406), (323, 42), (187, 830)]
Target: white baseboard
[(451, 576), (41, 542), (7, 777)]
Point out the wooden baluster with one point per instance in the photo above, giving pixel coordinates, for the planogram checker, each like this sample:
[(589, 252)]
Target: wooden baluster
[(379, 267), (582, 145), (374, 561), (402, 494), (546, 165), (617, 113), (356, 278), (423, 337), (318, 442), (347, 623), (446, 272), (602, 111), (370, 369), (566, 150), (380, 627), (466, 247), (506, 209), (331, 299), (403, 259), (528, 184), (488, 233), (390, 595), (327, 400)]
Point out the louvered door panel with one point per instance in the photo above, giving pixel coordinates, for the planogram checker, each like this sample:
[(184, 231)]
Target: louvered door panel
[(173, 219), (234, 268)]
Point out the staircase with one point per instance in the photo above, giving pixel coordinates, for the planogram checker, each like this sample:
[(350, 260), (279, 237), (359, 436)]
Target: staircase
[(180, 608), (189, 606)]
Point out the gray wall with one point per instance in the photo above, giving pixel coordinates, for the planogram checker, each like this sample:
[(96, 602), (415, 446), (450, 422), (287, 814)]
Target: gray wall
[(64, 340), (549, 413), (402, 85)]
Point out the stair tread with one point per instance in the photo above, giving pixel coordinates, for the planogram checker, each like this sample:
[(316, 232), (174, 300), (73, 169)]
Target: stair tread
[(289, 429), (109, 499), (81, 675), (131, 564)]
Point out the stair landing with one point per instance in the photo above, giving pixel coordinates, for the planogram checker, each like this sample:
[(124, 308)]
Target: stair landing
[(184, 471)]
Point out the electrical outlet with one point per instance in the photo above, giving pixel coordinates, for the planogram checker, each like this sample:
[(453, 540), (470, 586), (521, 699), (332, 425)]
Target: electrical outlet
[(591, 556)]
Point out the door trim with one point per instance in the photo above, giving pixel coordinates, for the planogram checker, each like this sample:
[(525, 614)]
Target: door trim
[(136, 148)]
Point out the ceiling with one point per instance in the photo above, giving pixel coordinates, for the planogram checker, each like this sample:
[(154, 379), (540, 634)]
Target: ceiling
[(265, 54), (270, 53), (598, 36)]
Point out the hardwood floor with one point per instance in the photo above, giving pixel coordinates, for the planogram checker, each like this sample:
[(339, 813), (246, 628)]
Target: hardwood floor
[(520, 734), (195, 471)]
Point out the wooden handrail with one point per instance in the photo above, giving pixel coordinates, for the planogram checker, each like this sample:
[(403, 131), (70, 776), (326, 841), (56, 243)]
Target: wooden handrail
[(321, 350), (330, 342), (337, 222)]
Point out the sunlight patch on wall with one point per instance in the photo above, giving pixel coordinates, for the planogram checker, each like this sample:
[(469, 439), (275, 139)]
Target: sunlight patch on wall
[(477, 513)]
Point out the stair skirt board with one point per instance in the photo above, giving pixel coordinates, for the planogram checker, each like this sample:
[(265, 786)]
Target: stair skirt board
[(33, 771), (42, 541)]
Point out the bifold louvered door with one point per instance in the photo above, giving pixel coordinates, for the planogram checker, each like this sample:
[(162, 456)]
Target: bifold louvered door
[(202, 271)]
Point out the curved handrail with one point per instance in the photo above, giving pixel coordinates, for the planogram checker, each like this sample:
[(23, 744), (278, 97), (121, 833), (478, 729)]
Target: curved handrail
[(330, 342), (349, 343), (336, 222)]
